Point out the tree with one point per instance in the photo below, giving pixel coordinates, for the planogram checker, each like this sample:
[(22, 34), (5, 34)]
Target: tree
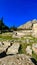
[(3, 27), (13, 28)]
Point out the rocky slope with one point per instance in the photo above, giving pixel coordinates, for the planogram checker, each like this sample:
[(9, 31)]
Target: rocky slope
[(14, 54), (19, 50), (28, 25)]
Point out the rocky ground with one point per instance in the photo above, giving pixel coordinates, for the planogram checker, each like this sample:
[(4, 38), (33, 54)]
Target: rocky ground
[(18, 50), (19, 59), (19, 47)]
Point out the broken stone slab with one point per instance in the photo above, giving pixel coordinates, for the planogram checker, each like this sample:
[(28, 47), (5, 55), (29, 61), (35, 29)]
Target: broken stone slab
[(13, 49), (29, 50), (34, 48)]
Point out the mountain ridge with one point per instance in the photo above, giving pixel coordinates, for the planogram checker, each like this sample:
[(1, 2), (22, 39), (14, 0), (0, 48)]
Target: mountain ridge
[(28, 25)]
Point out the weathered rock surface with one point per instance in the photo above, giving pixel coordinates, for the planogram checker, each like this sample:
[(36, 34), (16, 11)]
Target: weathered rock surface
[(28, 25), (6, 43), (30, 28), (29, 50), (13, 49), (34, 48), (3, 46), (19, 59), (34, 33), (9, 47), (2, 49)]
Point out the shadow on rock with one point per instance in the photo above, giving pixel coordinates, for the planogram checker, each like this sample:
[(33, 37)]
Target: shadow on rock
[(34, 61), (3, 54)]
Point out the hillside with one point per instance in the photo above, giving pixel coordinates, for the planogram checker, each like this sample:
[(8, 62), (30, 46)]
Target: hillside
[(28, 25), (19, 48)]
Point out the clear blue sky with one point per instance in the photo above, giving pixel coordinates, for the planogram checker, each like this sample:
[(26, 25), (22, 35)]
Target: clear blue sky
[(17, 12)]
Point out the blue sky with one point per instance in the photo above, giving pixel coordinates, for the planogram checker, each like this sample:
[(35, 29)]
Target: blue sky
[(17, 12)]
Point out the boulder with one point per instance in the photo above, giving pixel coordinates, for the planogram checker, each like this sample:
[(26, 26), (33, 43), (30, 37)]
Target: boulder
[(13, 49), (18, 59), (34, 48), (29, 50)]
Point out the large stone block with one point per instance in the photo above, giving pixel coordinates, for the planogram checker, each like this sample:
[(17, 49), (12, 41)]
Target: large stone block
[(13, 49), (18, 59)]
